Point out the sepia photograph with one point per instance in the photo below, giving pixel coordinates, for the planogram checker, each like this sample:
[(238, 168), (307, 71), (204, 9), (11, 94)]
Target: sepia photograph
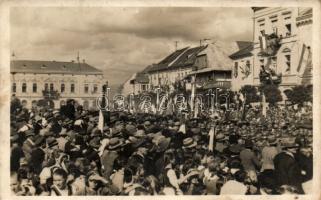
[(179, 101)]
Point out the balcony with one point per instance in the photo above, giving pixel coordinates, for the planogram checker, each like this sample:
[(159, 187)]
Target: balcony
[(50, 94)]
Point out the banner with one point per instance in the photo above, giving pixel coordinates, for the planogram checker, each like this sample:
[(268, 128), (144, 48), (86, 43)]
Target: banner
[(211, 142), (101, 121)]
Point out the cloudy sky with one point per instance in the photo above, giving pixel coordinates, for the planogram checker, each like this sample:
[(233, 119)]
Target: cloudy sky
[(120, 41)]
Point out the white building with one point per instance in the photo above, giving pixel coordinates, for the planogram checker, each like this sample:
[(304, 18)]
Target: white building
[(242, 70), (136, 84), (282, 44), (55, 81)]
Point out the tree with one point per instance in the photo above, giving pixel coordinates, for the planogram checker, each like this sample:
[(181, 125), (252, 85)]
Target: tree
[(299, 94), (251, 93), (272, 93)]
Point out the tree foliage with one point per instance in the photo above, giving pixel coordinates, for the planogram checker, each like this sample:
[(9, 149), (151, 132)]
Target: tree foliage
[(299, 94), (272, 93), (251, 93)]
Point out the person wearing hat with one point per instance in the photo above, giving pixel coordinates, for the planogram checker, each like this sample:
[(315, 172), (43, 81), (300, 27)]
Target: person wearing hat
[(28, 144), (220, 143), (38, 154), (109, 155), (268, 153), (189, 149), (249, 160), (305, 158), (16, 151), (287, 169)]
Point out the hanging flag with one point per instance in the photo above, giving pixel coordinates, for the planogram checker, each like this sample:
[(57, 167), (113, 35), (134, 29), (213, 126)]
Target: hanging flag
[(264, 105), (101, 121), (211, 141)]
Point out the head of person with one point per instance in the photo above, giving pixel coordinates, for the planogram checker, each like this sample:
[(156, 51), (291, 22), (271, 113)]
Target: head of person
[(59, 178), (92, 180)]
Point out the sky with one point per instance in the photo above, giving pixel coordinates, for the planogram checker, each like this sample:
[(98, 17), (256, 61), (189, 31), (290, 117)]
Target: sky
[(120, 41)]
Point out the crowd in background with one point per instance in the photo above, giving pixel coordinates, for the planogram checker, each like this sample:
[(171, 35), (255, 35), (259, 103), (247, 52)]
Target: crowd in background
[(62, 152)]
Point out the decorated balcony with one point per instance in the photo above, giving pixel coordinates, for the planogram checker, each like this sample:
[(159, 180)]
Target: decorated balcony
[(51, 94)]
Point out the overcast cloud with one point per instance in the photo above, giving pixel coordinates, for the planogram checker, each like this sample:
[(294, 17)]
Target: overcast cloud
[(120, 41)]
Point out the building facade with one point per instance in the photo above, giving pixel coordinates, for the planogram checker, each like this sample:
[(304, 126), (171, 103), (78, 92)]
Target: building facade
[(242, 68), (35, 81), (282, 45)]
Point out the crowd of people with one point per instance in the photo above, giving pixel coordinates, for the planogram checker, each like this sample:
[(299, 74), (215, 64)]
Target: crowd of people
[(60, 153)]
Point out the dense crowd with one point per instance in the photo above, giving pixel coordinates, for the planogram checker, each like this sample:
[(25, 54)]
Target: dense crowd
[(55, 152)]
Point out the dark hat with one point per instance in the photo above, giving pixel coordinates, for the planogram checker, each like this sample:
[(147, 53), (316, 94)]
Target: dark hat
[(51, 141), (29, 132), (248, 143), (189, 143), (115, 143)]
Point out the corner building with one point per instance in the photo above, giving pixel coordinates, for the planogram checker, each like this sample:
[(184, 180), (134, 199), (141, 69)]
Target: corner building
[(33, 81)]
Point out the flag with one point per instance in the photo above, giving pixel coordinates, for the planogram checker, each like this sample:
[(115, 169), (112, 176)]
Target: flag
[(101, 121), (264, 104), (211, 142)]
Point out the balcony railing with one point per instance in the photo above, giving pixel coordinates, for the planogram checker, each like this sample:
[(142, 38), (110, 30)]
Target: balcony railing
[(51, 94)]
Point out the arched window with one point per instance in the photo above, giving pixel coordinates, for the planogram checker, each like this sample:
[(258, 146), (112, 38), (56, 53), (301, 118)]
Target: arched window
[(24, 87), (72, 88), (62, 88), (14, 87), (34, 87)]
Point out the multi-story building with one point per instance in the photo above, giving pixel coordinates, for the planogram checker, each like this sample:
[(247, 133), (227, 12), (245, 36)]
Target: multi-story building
[(242, 70), (209, 63), (282, 45), (33, 81), (175, 67)]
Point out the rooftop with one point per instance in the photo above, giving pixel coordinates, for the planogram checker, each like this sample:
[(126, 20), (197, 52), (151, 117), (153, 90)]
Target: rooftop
[(244, 52), (52, 67)]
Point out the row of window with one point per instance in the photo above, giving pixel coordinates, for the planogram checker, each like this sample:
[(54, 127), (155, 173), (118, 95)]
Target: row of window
[(275, 25), (166, 75), (51, 88)]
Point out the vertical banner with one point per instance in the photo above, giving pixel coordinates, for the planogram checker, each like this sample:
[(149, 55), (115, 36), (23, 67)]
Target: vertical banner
[(101, 121), (211, 141), (264, 105), (193, 93)]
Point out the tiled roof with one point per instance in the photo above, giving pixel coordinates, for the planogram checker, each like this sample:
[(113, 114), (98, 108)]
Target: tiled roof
[(54, 67), (243, 44), (141, 78), (243, 52), (180, 58)]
